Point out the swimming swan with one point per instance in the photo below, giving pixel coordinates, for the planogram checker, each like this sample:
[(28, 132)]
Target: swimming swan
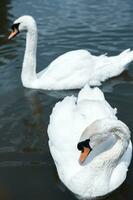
[(91, 148), (69, 71)]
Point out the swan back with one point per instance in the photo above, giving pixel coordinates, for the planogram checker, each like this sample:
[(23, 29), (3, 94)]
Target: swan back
[(68, 120), (73, 115)]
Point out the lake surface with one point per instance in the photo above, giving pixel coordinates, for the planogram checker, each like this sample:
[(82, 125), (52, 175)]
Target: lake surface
[(27, 171)]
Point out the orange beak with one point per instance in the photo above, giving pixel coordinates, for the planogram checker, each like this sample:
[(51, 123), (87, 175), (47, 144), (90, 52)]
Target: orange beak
[(84, 154), (13, 34)]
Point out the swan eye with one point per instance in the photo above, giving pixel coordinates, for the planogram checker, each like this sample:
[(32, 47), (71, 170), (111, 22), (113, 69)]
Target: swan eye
[(15, 27)]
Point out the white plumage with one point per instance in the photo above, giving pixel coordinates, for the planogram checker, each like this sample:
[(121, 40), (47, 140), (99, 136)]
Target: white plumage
[(69, 71), (106, 166)]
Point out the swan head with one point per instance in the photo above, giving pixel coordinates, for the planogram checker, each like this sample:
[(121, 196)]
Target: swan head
[(85, 148), (88, 141), (23, 23), (98, 132)]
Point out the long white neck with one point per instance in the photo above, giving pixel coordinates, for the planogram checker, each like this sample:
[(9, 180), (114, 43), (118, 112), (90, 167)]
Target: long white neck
[(28, 74)]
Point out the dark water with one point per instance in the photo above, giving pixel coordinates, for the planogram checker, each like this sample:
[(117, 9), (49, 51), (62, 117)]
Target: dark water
[(27, 170)]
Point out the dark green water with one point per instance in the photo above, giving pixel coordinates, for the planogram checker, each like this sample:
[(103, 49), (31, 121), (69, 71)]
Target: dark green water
[(27, 171)]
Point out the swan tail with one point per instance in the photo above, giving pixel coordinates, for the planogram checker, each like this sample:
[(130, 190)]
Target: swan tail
[(113, 66), (126, 57), (88, 93)]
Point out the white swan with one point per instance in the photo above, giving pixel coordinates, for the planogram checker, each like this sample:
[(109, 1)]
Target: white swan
[(69, 71), (89, 122)]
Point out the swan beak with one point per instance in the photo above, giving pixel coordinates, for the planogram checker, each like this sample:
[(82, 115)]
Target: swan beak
[(13, 34), (84, 154)]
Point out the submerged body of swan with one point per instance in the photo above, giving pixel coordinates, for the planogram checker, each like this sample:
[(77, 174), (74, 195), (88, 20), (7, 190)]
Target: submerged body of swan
[(89, 122), (69, 71)]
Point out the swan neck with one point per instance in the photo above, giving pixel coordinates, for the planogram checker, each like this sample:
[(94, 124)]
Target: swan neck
[(111, 157), (28, 75)]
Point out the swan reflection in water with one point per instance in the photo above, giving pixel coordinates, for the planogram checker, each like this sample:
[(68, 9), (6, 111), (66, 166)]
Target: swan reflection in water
[(35, 123)]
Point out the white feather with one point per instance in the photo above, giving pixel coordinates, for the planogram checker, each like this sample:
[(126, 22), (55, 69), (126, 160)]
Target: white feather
[(68, 120), (71, 70)]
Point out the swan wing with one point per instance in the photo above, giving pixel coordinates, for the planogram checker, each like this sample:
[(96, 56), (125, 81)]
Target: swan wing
[(120, 172), (72, 112), (68, 120), (76, 68), (68, 71)]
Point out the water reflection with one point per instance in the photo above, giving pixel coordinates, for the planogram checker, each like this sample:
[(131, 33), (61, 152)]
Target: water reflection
[(110, 84), (4, 28), (4, 17), (35, 124)]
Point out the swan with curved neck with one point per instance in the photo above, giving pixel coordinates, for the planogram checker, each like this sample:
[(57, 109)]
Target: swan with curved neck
[(102, 166), (69, 71), (90, 146)]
